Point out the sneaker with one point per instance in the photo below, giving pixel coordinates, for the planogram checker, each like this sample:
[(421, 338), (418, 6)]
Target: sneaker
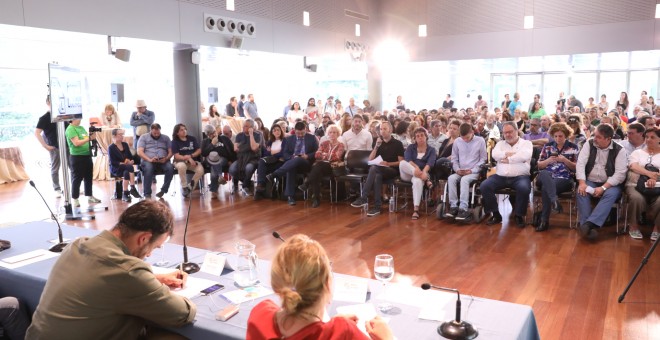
[(58, 193), (135, 193), (360, 202), (147, 197), (636, 234), (453, 212), (126, 197), (655, 235), (374, 211), (75, 202), (92, 199), (186, 192), (160, 194), (463, 215)]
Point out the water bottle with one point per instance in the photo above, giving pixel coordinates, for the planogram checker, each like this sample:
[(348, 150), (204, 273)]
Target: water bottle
[(392, 204)]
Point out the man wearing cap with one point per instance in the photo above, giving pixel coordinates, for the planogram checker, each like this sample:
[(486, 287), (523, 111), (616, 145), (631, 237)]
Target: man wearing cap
[(141, 120), (218, 151), (155, 150)]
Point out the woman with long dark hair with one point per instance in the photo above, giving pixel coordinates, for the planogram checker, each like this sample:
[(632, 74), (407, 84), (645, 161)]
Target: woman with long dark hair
[(272, 158)]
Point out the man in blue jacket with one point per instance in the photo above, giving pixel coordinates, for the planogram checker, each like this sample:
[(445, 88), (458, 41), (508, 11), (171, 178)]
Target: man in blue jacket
[(299, 151)]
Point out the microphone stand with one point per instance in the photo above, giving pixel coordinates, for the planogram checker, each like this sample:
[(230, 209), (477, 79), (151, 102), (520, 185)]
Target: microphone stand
[(188, 267), (455, 329), (57, 248)]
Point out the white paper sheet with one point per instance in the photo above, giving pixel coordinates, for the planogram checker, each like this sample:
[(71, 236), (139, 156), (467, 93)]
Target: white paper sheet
[(24, 259), (364, 313), (350, 289), (193, 287), (376, 161), (239, 296), (213, 264)]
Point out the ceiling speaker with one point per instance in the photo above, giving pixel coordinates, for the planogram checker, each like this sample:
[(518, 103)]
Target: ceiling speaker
[(236, 42), (123, 54), (221, 24), (210, 23), (231, 26)]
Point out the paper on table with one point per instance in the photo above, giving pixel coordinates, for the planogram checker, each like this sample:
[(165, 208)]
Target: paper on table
[(438, 306), (364, 313), (239, 296), (375, 161), (193, 287), (27, 258), (213, 264), (350, 289)]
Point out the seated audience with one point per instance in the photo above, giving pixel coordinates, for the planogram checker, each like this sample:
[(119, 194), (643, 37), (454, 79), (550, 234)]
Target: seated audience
[(301, 276), (513, 156), (272, 160), (601, 169), (419, 158), (155, 150), (226, 131), (101, 288), (298, 152), (468, 154), (391, 151), (329, 155), (110, 117), (436, 137), (647, 121), (448, 144), (248, 151), (186, 151), (557, 171), (14, 319), (122, 165), (218, 151), (639, 204), (535, 135), (575, 123)]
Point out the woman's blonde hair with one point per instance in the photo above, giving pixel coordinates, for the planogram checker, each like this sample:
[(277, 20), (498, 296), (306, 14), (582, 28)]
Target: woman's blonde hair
[(333, 127), (111, 108), (300, 273)]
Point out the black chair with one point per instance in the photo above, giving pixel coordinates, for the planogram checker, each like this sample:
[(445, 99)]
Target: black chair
[(357, 169)]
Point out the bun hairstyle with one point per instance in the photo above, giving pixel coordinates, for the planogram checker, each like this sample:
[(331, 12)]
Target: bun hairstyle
[(300, 273)]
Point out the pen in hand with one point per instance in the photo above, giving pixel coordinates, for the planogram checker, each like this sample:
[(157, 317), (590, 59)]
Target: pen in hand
[(179, 275)]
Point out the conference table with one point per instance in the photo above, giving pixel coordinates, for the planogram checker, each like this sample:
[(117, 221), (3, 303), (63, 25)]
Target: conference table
[(493, 319)]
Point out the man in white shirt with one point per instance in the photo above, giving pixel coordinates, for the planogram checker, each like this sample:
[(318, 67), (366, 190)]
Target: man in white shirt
[(513, 156), (436, 137), (635, 138), (352, 109), (357, 138)]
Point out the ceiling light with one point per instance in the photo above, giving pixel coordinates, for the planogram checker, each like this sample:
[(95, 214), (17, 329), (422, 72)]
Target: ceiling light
[(230, 5), (306, 18), (657, 11), (529, 22), (422, 31), (357, 30)]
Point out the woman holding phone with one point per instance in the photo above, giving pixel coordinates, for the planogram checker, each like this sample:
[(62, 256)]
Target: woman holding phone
[(557, 170)]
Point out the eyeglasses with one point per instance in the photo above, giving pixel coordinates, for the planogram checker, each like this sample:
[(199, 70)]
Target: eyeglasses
[(534, 124)]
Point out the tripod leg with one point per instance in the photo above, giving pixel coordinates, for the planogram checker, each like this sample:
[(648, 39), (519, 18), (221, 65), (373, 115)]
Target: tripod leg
[(641, 265)]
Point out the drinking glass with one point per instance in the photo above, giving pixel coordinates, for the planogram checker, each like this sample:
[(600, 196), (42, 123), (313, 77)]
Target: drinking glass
[(163, 262), (384, 272)]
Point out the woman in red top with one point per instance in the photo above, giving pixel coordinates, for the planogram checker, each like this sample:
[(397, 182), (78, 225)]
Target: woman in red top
[(301, 276)]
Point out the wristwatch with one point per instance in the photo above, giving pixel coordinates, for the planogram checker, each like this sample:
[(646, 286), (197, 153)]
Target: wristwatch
[(604, 188)]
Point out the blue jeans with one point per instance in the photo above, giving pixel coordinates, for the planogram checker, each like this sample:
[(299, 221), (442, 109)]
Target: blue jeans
[(375, 178), (599, 214), (148, 169), (550, 187), (216, 172), (13, 318), (465, 181), (291, 169), (521, 184), (250, 168)]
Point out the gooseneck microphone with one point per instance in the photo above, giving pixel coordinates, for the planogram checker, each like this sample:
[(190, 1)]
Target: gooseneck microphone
[(188, 267), (59, 246), (455, 329), (277, 236)]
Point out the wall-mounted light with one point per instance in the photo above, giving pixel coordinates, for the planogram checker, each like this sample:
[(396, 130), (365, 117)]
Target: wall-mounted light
[(306, 18), (529, 22), (357, 30), (421, 31), (119, 53), (230, 5)]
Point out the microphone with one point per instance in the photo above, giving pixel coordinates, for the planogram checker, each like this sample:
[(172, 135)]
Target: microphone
[(188, 267), (277, 236), (455, 329), (59, 246)]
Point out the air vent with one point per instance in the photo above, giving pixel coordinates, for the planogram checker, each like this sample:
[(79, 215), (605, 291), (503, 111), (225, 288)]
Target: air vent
[(356, 15)]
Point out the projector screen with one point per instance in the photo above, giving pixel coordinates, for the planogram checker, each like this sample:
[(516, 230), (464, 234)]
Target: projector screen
[(65, 93)]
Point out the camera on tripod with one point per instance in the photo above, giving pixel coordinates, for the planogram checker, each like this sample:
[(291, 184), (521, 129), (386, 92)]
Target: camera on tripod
[(93, 145), (93, 129)]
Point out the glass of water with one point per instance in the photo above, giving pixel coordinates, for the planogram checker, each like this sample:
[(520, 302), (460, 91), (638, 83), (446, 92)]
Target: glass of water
[(163, 262), (384, 272)]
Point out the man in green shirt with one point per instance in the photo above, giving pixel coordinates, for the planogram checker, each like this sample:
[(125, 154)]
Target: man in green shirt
[(82, 167)]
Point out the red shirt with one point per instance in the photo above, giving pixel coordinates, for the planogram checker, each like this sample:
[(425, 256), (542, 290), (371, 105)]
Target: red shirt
[(262, 325)]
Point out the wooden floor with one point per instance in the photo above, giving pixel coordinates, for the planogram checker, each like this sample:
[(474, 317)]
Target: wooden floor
[(572, 285)]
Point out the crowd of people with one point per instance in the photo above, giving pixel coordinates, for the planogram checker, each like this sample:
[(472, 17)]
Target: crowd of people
[(597, 154)]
